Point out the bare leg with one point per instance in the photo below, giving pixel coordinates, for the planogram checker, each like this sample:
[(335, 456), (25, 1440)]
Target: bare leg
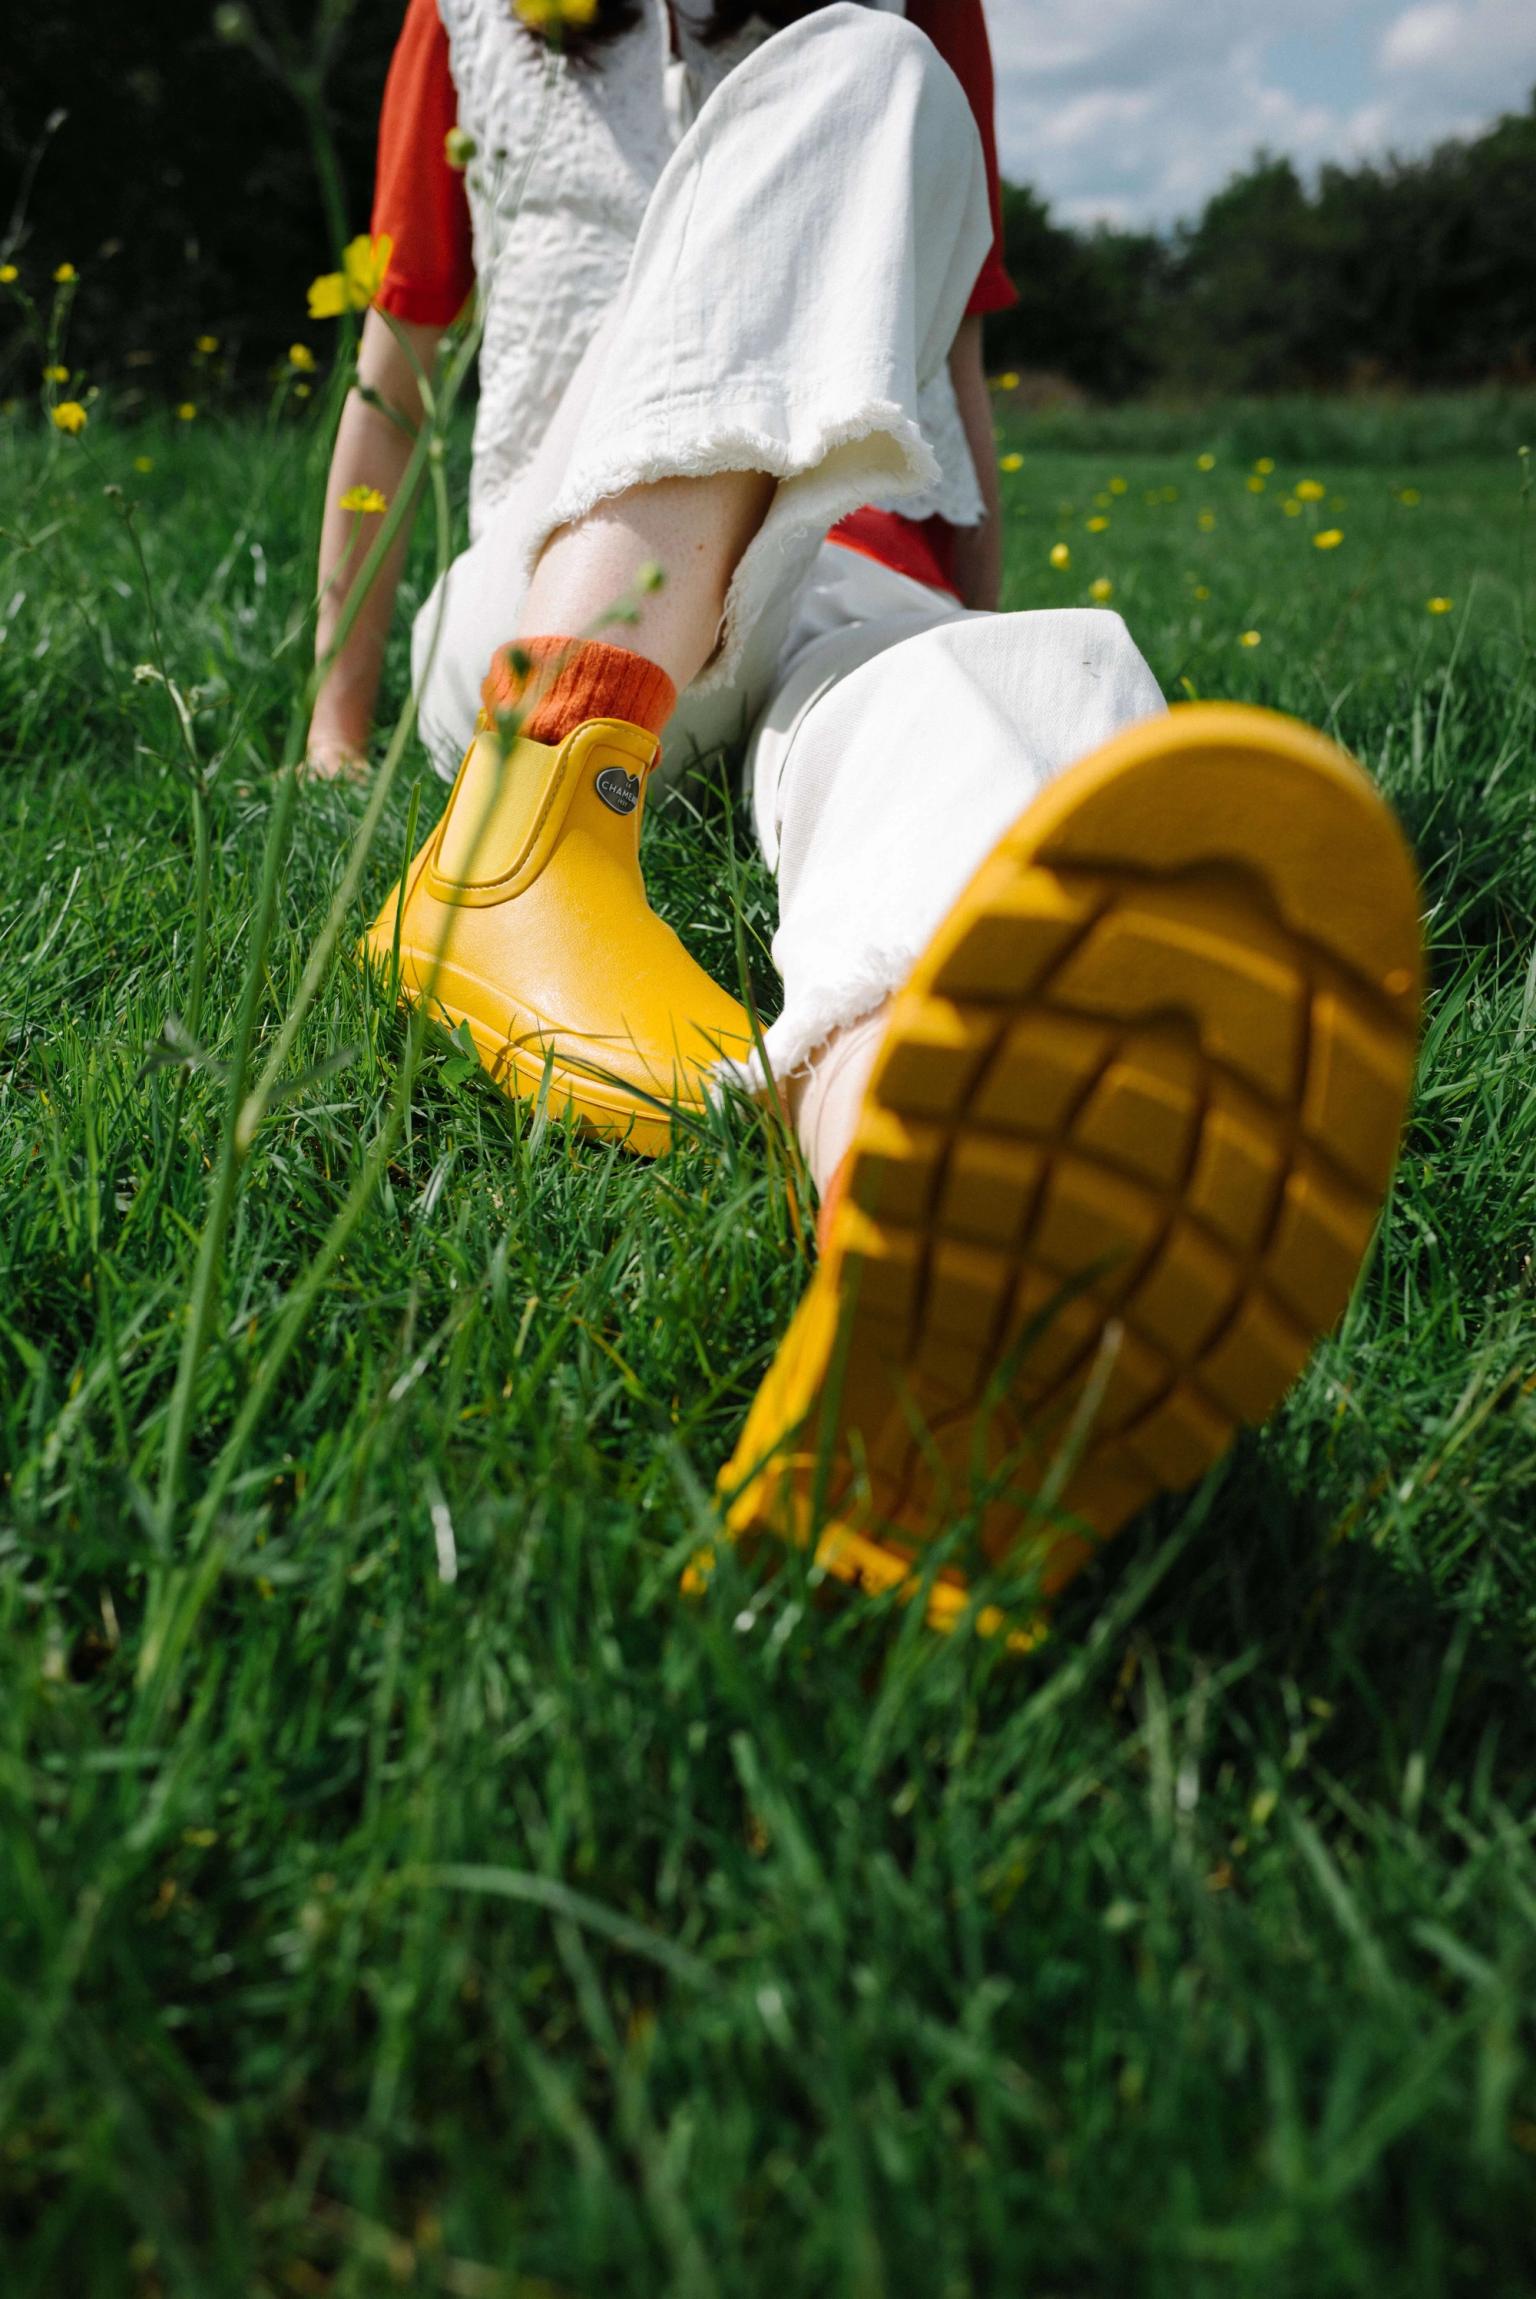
[(695, 530)]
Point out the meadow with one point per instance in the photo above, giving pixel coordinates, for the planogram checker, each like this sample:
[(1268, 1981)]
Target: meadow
[(404, 1888)]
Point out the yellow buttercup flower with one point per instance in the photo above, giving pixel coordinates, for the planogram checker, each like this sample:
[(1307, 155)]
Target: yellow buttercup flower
[(363, 499), (8, 272), (1101, 590), (55, 374), (301, 357), (1265, 467), (1310, 490), (1441, 606), (364, 264), (69, 416), (1013, 462), (1061, 556), (1256, 485), (1251, 639), (1205, 462), (187, 411), (143, 462), (207, 345), (1118, 486), (64, 273), (554, 15), (1008, 382), (1098, 525), (1291, 507), (1329, 539)]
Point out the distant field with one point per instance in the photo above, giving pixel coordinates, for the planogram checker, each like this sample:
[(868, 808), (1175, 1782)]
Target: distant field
[(401, 1887), (1384, 430)]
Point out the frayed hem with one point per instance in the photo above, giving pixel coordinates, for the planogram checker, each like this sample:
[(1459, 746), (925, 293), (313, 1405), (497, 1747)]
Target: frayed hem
[(811, 499), (803, 1028)]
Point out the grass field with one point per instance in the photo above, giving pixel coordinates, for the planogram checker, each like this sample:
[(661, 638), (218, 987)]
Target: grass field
[(401, 1887)]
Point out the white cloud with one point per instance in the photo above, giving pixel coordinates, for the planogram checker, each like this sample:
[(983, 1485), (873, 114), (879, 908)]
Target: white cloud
[(1136, 110), (1477, 41), (1423, 36)]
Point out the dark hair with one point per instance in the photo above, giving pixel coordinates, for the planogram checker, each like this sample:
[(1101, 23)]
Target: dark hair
[(581, 41)]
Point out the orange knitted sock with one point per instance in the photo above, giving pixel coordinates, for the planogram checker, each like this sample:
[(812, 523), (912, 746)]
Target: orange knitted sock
[(563, 682)]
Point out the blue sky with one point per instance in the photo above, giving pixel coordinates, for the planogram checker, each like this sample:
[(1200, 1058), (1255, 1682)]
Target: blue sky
[(1136, 110)]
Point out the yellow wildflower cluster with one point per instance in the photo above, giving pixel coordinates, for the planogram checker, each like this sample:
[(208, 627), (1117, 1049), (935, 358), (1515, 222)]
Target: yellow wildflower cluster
[(554, 15), (69, 416), (364, 264)]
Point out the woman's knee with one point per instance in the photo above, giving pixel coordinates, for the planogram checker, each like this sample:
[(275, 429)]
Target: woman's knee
[(866, 45)]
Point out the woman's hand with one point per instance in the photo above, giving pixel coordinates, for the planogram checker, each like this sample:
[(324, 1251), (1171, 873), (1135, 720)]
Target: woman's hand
[(333, 754)]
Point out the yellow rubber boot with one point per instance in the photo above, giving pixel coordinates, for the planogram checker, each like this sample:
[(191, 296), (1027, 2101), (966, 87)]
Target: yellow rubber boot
[(1120, 1157), (525, 916)]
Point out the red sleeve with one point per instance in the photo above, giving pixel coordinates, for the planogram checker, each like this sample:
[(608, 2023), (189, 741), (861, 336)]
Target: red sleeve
[(958, 30), (417, 198)]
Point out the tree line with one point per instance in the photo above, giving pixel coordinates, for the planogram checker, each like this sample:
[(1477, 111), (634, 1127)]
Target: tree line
[(1416, 272), (170, 155)]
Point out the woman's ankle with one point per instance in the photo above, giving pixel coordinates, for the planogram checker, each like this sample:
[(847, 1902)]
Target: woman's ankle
[(826, 1097)]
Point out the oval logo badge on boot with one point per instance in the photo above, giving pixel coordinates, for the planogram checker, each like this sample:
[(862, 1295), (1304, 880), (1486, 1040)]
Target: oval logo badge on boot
[(618, 790)]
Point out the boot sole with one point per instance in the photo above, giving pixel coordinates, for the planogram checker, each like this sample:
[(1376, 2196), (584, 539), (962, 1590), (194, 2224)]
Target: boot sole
[(1118, 1165), (522, 1072)]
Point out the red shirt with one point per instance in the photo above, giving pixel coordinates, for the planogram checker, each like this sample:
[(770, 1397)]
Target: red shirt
[(421, 203)]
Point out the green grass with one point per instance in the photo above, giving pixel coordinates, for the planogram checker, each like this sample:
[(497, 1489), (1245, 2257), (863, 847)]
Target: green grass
[(401, 1887)]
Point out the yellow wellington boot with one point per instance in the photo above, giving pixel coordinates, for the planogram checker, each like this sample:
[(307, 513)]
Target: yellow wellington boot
[(524, 915), (1117, 1165)]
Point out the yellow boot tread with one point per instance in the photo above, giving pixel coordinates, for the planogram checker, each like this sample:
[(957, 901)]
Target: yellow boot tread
[(1123, 1149)]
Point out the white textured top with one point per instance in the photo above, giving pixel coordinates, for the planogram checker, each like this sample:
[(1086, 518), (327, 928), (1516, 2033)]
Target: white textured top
[(566, 160)]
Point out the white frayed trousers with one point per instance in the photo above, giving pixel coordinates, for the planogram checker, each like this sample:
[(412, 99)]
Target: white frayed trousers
[(799, 277)]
